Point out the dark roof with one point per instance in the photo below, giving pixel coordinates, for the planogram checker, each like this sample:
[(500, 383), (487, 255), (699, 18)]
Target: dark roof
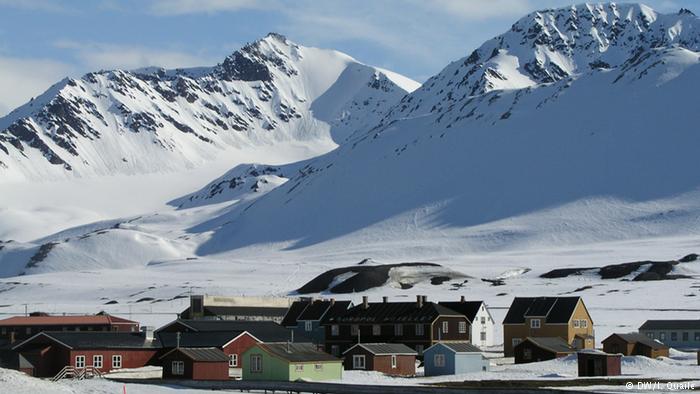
[(202, 354), (290, 319), (399, 312), (635, 337), (466, 308), (461, 347), (266, 331), (197, 339), (337, 309), (671, 325), (554, 344), (554, 309), (297, 352), (95, 339), (214, 310), (315, 310), (379, 349)]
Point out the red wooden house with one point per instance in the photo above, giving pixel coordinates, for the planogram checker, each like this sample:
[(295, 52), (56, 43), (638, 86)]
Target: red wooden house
[(394, 359), (195, 364), (17, 328)]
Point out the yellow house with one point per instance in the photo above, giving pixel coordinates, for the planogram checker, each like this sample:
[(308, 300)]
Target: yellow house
[(564, 317)]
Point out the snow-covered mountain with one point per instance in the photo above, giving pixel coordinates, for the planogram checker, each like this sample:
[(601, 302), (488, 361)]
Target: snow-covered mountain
[(154, 120)]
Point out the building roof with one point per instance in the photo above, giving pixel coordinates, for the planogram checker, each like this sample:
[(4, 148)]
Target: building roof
[(315, 310), (466, 308), (94, 340), (265, 331), (64, 320), (398, 312), (235, 310), (383, 349), (635, 337), (337, 309), (290, 319), (671, 325), (201, 354), (553, 344), (461, 347), (553, 309), (296, 352), (198, 339)]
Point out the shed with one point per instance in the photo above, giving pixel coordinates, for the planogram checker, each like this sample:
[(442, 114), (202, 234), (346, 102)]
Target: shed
[(195, 364), (389, 358), (597, 363), (541, 349), (635, 344), (290, 362), (445, 358)]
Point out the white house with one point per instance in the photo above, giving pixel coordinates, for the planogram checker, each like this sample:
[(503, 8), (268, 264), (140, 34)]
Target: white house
[(482, 323)]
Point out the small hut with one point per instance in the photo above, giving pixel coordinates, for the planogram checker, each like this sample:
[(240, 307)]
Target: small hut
[(598, 363)]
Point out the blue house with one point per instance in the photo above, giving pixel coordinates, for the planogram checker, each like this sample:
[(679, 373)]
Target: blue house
[(305, 318), (446, 358)]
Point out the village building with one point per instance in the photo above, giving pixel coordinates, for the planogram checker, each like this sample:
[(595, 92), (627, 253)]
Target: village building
[(18, 328), (195, 364), (418, 324), (47, 353), (454, 358), (265, 331), (395, 359), (533, 317), (290, 362), (679, 334), (305, 318), (482, 323), (541, 349), (204, 307), (635, 344), (597, 363)]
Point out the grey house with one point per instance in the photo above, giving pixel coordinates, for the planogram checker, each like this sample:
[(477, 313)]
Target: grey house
[(680, 334), (304, 318), (451, 358)]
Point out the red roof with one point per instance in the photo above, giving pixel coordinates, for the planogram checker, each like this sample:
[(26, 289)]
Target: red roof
[(63, 320)]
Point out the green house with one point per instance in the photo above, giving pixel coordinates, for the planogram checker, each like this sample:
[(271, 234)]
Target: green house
[(290, 362)]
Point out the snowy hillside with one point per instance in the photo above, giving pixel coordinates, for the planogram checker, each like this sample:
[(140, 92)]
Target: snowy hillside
[(154, 120)]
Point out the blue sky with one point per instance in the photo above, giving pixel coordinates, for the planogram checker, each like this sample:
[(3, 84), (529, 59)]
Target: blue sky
[(42, 41)]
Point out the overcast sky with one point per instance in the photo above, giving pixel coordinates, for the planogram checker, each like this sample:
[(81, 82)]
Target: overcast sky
[(42, 41)]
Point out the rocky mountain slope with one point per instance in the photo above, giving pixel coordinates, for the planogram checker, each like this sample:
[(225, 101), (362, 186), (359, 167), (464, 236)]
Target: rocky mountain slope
[(153, 120)]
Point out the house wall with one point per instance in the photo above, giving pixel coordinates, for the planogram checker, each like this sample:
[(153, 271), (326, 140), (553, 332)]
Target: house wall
[(239, 346), (167, 361), (599, 365), (131, 358), (345, 340), (210, 370), (405, 364), (431, 369), (538, 354), (47, 360), (318, 371), (693, 341), (471, 362), (453, 333), (615, 344), (487, 328), (273, 368)]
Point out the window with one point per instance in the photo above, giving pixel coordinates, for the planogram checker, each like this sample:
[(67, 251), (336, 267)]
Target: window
[(398, 329), (335, 350), (178, 368), (80, 361), (439, 360), (697, 336), (419, 349), (462, 327), (393, 361), (650, 335), (256, 363), (445, 327), (662, 336), (299, 367), (97, 361), (308, 326), (483, 336), (358, 361), (318, 367), (516, 341), (577, 323), (233, 360), (674, 336), (335, 330), (116, 361), (527, 354), (686, 336), (584, 323), (376, 329), (483, 320), (29, 330), (420, 330), (3, 331), (535, 323), (354, 329)]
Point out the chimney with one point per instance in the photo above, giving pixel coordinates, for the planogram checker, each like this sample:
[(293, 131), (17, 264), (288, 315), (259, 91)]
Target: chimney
[(292, 332), (177, 339), (385, 299), (419, 301), (147, 332), (365, 302), (425, 299), (462, 299), (13, 337), (332, 301), (289, 348)]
